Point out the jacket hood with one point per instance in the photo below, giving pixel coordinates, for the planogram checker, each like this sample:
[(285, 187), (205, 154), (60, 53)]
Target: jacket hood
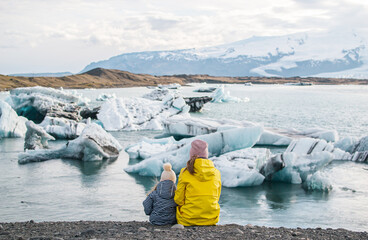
[(166, 189), (204, 170)]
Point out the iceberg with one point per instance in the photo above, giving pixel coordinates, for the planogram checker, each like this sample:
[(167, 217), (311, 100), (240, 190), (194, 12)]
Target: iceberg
[(62, 128), (358, 148), (150, 147), (362, 145), (347, 144), (272, 165), (35, 103), (299, 167), (185, 126), (360, 157), (241, 168), (94, 144), (139, 113), (195, 103), (36, 137), (220, 96), (310, 145), (177, 152), (328, 135), (11, 125)]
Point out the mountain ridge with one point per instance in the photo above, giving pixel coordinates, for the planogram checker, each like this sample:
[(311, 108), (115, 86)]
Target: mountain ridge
[(112, 78), (332, 54)]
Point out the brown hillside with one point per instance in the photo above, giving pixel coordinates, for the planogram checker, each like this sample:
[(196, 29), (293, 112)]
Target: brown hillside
[(110, 78)]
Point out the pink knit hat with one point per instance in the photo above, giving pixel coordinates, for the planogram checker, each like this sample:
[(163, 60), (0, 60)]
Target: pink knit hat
[(199, 148)]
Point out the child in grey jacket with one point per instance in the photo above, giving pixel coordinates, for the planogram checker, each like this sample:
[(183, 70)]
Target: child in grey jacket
[(159, 204)]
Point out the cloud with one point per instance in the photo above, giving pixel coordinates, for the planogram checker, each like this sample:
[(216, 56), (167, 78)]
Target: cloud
[(161, 24), (95, 30)]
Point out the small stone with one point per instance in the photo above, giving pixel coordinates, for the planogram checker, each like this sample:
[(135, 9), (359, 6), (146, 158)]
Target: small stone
[(295, 234), (88, 232), (1, 227), (31, 221), (157, 230), (249, 226), (142, 229), (239, 231), (177, 226)]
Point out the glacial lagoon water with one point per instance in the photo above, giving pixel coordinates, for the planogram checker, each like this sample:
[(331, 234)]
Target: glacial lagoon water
[(69, 190)]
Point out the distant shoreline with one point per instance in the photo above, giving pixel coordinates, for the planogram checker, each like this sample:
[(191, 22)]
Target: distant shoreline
[(110, 78), (144, 230)]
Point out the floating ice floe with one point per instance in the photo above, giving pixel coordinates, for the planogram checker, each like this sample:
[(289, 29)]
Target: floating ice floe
[(220, 95), (304, 146), (11, 125), (196, 103), (347, 144), (104, 96), (177, 152), (160, 94), (298, 84), (35, 103), (185, 126), (36, 137), (62, 128), (139, 113), (360, 150), (170, 86), (205, 89), (94, 144)]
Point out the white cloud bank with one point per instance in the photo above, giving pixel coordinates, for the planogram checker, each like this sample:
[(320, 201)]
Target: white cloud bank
[(57, 36)]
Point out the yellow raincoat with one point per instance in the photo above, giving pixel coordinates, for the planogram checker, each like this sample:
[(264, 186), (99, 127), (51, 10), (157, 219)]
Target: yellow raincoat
[(197, 195)]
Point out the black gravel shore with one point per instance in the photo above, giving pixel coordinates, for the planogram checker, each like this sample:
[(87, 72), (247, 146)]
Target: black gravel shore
[(144, 230)]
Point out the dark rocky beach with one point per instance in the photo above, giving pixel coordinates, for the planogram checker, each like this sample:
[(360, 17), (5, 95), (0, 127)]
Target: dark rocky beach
[(144, 230)]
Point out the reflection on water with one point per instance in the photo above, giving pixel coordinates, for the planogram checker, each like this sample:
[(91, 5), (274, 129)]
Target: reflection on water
[(147, 182), (88, 168)]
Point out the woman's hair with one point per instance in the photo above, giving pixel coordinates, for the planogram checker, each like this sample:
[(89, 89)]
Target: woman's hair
[(190, 164)]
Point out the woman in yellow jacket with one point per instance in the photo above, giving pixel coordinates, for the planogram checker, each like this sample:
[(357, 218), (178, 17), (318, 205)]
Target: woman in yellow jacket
[(199, 189)]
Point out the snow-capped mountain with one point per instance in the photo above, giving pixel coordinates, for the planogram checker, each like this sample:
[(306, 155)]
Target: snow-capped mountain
[(332, 54)]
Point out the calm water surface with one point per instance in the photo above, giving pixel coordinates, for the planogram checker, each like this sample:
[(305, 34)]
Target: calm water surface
[(64, 190)]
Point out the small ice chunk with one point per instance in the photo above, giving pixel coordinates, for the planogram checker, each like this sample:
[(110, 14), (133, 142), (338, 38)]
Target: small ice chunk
[(220, 95), (318, 182), (36, 137), (104, 96)]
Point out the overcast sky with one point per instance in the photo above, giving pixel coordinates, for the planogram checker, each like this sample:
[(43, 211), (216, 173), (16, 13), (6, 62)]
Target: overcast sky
[(57, 36)]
